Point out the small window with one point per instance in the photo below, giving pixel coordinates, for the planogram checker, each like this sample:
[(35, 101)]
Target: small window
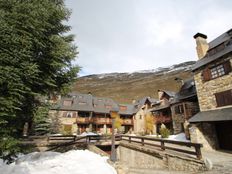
[(67, 102), (108, 106), (179, 109), (217, 71), (69, 115), (224, 98), (123, 108), (140, 117)]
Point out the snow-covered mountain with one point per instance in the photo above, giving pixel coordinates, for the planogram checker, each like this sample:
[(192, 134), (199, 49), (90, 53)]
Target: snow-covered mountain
[(125, 87)]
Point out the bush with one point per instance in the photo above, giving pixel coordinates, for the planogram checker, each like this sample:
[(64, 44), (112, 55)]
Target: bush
[(164, 132)]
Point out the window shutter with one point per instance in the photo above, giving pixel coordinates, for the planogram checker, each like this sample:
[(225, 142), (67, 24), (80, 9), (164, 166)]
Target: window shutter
[(74, 115), (227, 67), (219, 99), (64, 114), (206, 74), (224, 98)]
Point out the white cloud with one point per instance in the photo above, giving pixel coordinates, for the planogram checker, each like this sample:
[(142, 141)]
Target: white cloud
[(128, 35)]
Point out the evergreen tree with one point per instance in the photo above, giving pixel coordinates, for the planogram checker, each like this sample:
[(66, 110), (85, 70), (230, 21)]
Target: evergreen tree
[(35, 59), (41, 121)]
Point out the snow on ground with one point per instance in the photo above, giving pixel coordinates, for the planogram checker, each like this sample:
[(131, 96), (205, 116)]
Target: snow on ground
[(178, 137), (71, 162)]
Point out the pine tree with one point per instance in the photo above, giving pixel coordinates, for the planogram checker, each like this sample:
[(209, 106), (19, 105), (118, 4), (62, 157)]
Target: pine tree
[(35, 55)]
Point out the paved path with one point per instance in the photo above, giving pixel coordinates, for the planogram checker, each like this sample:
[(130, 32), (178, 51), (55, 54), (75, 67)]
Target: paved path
[(221, 160)]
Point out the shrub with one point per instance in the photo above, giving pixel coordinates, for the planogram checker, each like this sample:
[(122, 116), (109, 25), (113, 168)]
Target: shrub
[(164, 132)]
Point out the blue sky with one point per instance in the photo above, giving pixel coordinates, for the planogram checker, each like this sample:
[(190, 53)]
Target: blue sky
[(132, 35)]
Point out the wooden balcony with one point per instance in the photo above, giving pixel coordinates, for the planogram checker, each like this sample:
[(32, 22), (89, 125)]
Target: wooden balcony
[(83, 120), (163, 119), (102, 120)]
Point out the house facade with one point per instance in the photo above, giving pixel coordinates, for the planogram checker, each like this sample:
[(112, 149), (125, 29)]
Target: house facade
[(161, 110), (78, 113), (142, 107), (213, 78), (184, 107)]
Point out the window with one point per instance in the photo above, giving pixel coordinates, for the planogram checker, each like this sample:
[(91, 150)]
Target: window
[(179, 109), (82, 103), (108, 106), (67, 102), (123, 108), (224, 98), (216, 71)]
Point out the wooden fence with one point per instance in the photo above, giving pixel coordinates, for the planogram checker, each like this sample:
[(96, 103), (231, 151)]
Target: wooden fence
[(163, 144)]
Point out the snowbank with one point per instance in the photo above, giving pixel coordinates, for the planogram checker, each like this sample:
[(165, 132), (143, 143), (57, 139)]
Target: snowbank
[(71, 162), (178, 137)]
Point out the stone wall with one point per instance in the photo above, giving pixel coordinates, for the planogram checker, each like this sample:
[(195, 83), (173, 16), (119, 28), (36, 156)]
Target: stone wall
[(179, 120), (134, 156), (206, 90), (205, 134)]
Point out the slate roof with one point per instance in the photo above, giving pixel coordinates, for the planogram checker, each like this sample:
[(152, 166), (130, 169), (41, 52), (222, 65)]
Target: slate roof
[(219, 40), (224, 114), (169, 93), (80, 102), (187, 90), (89, 103), (100, 104), (130, 109)]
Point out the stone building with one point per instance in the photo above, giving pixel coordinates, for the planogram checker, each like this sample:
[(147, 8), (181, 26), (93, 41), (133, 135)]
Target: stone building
[(213, 78), (142, 107), (184, 107), (161, 110), (78, 113)]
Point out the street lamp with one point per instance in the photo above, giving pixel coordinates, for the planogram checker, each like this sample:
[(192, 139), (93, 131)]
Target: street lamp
[(113, 114)]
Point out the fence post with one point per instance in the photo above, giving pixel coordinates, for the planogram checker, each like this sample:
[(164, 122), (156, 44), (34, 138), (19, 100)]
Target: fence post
[(198, 152), (129, 139), (162, 145), (142, 141)]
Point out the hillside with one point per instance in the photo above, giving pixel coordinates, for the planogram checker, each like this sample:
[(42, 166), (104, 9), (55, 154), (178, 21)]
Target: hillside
[(125, 87)]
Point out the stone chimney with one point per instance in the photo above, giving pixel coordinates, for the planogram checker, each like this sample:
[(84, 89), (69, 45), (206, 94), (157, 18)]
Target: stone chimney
[(202, 45)]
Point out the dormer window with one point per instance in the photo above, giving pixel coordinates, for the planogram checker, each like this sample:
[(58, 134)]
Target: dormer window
[(67, 102), (108, 106), (123, 108), (82, 103)]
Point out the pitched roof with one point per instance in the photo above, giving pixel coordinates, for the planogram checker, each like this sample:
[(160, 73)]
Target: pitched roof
[(103, 105), (130, 109), (219, 40), (224, 114), (79, 102), (187, 90)]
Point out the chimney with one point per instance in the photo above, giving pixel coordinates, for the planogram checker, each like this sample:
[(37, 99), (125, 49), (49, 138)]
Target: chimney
[(202, 45)]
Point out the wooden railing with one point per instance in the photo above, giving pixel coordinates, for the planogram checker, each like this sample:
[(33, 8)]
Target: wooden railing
[(162, 144), (51, 138)]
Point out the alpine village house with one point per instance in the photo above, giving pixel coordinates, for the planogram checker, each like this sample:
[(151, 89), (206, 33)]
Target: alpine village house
[(202, 108), (213, 78)]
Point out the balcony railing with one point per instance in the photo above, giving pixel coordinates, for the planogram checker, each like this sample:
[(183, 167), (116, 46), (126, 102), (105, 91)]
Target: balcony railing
[(84, 120), (102, 120)]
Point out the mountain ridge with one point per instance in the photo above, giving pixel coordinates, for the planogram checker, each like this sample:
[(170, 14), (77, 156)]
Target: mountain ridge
[(129, 86)]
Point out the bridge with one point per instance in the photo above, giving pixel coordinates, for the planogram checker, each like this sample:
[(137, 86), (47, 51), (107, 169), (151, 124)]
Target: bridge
[(132, 151)]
